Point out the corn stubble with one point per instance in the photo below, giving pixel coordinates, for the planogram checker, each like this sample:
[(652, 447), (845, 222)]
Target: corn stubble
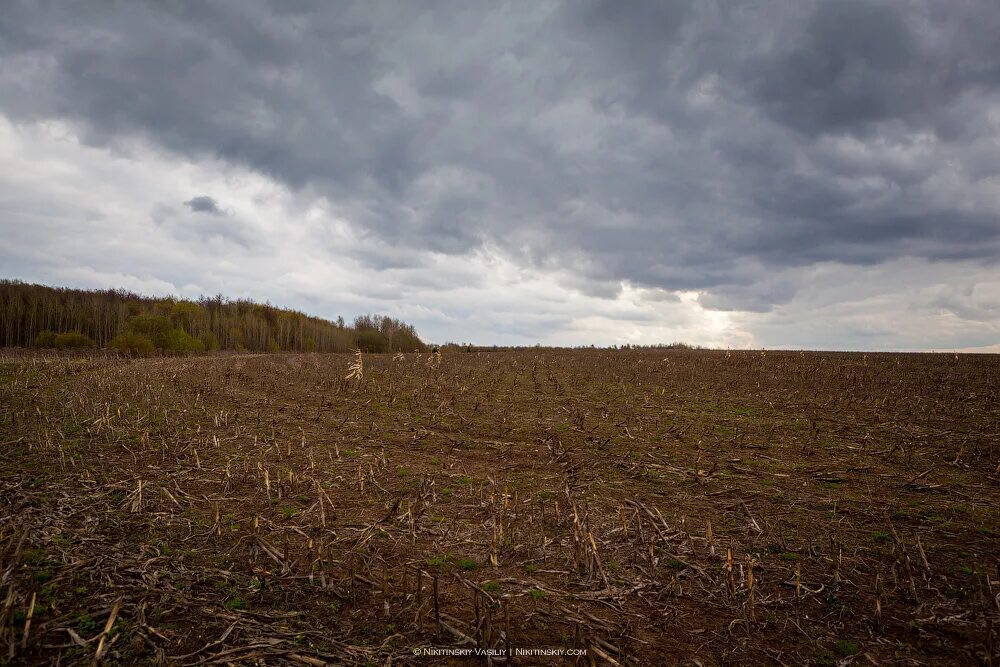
[(649, 506)]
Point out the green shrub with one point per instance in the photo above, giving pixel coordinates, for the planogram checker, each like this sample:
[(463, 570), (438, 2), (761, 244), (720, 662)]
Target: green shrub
[(178, 340), (145, 333), (155, 327), (134, 344), (45, 339), (72, 340), (209, 341)]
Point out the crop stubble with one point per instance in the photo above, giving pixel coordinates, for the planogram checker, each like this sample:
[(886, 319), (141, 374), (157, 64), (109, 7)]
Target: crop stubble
[(652, 506)]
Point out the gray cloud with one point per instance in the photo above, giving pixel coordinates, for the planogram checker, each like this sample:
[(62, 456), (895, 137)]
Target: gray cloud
[(709, 146), (204, 204), (205, 223)]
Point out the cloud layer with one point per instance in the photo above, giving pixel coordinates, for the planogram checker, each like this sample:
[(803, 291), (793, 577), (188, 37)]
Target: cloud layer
[(717, 171)]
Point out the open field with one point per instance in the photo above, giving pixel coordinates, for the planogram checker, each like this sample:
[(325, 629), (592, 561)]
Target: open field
[(654, 507)]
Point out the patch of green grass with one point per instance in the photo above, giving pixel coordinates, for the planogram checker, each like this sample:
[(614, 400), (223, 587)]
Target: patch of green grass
[(491, 586), (468, 564), (289, 512), (955, 593), (86, 625), (826, 659), (879, 536), (537, 593), (846, 647), (234, 602), (437, 561), (790, 557), (33, 556), (71, 427)]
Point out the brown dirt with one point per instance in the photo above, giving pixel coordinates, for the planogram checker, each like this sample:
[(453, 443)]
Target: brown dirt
[(258, 509)]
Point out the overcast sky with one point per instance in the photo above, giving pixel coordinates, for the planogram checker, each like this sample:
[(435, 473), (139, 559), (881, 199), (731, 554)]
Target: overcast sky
[(744, 174)]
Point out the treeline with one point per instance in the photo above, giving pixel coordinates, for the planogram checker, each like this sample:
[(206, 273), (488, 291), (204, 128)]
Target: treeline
[(469, 347), (41, 316)]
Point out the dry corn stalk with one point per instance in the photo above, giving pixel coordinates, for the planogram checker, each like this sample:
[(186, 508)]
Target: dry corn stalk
[(878, 598), (357, 368), (729, 571), (137, 499)]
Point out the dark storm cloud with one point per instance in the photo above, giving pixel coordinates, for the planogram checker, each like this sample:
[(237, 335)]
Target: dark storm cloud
[(856, 64), (204, 204), (682, 145)]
